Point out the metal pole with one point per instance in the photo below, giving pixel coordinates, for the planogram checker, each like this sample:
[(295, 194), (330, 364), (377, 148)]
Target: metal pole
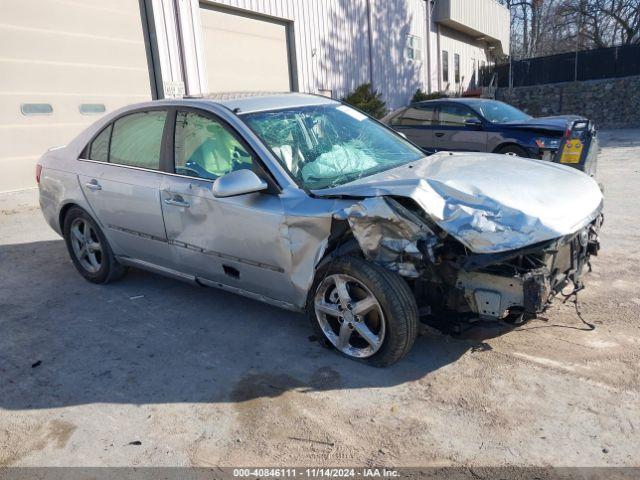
[(575, 60), (510, 72)]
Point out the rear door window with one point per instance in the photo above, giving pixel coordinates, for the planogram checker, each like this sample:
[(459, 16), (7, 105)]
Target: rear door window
[(136, 140)]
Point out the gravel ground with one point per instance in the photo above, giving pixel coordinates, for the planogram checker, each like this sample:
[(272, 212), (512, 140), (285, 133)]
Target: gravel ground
[(150, 371)]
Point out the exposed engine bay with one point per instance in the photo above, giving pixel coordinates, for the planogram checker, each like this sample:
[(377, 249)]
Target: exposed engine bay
[(445, 275)]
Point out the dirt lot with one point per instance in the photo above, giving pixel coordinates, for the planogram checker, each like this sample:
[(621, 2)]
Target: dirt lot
[(149, 371)]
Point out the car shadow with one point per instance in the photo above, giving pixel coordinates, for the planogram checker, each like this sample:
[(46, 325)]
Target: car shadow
[(148, 339), (626, 137)]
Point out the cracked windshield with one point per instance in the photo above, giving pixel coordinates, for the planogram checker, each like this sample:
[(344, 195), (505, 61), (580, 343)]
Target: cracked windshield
[(329, 145)]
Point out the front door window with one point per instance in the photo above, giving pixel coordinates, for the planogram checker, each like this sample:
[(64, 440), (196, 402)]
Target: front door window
[(205, 148), (454, 116)]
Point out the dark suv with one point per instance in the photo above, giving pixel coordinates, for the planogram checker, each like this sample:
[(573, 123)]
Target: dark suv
[(483, 125)]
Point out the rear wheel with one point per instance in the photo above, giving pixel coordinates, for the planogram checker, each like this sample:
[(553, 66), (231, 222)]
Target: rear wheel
[(89, 249), (363, 311), (514, 151)]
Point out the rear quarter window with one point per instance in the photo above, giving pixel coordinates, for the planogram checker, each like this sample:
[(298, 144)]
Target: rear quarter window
[(99, 148)]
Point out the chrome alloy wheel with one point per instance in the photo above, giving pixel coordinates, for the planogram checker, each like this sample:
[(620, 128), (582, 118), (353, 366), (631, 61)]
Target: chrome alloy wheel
[(86, 245), (350, 316)]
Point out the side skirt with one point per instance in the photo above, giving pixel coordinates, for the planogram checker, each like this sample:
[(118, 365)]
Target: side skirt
[(203, 282)]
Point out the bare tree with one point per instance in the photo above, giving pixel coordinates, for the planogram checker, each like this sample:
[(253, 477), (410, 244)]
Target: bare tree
[(544, 27)]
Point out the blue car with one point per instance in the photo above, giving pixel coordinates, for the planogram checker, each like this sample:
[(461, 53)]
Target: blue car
[(483, 125)]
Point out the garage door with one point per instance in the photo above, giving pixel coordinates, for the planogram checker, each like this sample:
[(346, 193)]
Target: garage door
[(63, 64), (244, 53)]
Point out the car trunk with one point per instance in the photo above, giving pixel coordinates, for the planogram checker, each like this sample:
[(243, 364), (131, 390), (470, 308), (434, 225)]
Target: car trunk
[(579, 147)]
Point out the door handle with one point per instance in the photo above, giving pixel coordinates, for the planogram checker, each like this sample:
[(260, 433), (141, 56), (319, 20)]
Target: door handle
[(177, 201), (439, 134), (93, 185)]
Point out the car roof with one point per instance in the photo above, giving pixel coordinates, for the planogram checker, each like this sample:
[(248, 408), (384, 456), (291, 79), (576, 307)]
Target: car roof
[(247, 102), (466, 101)]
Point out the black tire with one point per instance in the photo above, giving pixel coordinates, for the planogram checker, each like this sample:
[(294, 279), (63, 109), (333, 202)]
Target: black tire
[(395, 298), (513, 150), (110, 270)]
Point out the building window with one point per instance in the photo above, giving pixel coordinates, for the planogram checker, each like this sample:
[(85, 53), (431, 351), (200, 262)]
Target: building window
[(36, 109), (413, 51), (456, 67), (92, 108), (445, 66)]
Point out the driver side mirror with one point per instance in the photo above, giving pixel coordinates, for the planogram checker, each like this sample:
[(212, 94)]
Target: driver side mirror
[(473, 123), (238, 182)]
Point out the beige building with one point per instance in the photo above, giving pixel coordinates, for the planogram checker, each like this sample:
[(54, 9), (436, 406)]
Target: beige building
[(63, 63), (468, 34)]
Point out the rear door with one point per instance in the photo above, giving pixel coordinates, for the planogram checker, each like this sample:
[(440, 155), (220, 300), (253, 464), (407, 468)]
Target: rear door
[(417, 123), (451, 132), (120, 178), (235, 242)]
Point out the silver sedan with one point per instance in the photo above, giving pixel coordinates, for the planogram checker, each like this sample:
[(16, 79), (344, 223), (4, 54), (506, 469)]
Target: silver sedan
[(308, 204)]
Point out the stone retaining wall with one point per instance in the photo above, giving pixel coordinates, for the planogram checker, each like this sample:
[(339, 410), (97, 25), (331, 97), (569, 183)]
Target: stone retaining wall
[(610, 103)]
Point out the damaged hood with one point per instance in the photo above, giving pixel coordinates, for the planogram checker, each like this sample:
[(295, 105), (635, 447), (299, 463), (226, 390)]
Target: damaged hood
[(558, 123), (490, 203)]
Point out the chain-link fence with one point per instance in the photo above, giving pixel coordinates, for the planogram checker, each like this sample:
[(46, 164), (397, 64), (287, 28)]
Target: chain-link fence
[(612, 62)]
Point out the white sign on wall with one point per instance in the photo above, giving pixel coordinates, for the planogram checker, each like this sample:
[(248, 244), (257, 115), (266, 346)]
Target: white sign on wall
[(173, 89)]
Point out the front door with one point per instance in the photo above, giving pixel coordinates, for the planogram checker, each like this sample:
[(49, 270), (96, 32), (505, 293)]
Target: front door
[(451, 132), (417, 124), (121, 182), (237, 242)]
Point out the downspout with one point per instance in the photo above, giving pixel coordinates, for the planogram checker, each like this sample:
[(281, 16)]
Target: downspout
[(370, 39), (439, 58), (428, 7)]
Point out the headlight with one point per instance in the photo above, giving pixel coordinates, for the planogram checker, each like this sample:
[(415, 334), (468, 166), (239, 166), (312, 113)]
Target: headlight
[(551, 143)]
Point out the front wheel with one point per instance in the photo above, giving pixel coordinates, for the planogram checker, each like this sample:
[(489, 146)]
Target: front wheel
[(363, 311), (514, 151)]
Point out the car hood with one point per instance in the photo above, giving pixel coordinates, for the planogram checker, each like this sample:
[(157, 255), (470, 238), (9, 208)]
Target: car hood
[(490, 203), (557, 123)]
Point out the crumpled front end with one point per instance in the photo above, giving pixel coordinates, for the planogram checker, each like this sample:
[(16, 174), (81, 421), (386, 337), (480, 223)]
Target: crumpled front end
[(489, 203), (446, 275), (390, 234)]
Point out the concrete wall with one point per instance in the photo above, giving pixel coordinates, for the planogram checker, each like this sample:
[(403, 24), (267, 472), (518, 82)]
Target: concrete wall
[(610, 103)]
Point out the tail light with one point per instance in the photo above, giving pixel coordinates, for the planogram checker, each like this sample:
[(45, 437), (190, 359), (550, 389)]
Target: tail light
[(38, 172)]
